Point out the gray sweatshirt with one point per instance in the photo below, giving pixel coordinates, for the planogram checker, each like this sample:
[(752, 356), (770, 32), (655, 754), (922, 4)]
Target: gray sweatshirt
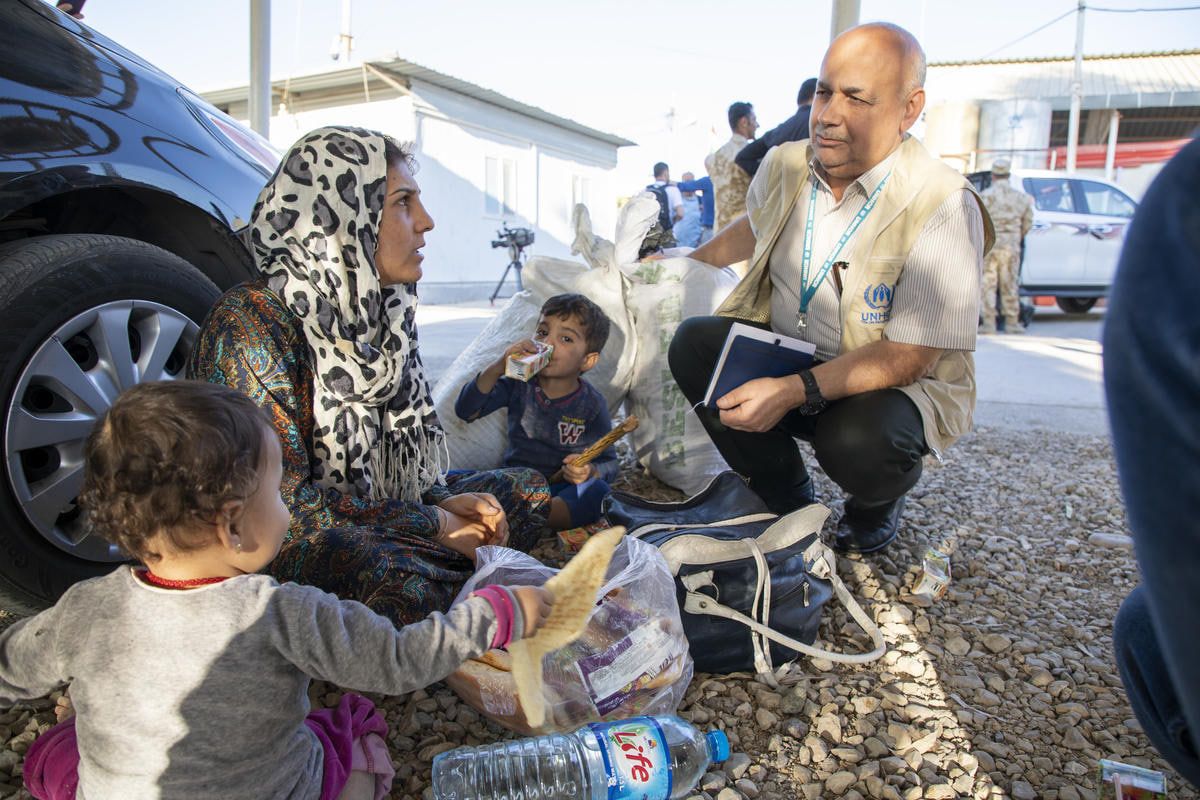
[(203, 693)]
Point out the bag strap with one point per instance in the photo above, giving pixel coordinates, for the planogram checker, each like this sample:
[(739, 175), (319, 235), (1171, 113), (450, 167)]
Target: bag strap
[(697, 603)]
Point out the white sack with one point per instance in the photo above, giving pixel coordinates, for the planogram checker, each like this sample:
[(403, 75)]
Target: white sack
[(670, 441)]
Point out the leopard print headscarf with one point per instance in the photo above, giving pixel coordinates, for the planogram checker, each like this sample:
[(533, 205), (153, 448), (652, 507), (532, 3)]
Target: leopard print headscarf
[(314, 231)]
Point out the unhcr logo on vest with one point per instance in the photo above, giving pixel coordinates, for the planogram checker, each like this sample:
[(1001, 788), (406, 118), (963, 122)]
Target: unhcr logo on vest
[(878, 298)]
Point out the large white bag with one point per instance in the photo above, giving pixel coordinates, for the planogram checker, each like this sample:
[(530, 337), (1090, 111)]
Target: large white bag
[(670, 441)]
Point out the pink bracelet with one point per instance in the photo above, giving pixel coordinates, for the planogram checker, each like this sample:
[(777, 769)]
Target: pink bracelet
[(502, 607)]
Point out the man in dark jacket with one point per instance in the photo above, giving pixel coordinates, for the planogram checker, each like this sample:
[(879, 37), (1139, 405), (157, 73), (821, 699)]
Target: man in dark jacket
[(793, 129)]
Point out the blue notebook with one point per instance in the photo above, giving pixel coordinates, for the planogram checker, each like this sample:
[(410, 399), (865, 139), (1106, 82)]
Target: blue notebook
[(751, 353)]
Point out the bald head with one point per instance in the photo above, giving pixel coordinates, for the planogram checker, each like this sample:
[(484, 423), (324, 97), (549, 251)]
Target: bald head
[(894, 48)]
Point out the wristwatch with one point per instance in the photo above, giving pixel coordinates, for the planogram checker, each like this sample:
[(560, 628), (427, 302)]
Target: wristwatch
[(814, 403)]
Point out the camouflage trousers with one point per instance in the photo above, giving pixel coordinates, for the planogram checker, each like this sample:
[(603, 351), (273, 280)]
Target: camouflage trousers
[(1000, 274)]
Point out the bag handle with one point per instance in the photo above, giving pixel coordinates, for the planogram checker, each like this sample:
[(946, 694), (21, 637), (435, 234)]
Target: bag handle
[(698, 603)]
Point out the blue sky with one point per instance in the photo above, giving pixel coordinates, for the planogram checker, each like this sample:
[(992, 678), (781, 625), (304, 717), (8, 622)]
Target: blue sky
[(618, 65)]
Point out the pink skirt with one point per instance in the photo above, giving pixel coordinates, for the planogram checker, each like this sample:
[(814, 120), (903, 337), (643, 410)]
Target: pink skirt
[(353, 736)]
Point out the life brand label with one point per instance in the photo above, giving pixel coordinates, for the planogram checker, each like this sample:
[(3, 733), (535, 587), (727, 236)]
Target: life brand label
[(636, 759)]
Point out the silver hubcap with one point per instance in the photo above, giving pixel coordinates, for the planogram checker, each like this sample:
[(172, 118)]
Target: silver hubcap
[(68, 384)]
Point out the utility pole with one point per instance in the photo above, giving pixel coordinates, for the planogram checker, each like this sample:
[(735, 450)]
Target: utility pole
[(1076, 90), (345, 39), (259, 100), (845, 17)]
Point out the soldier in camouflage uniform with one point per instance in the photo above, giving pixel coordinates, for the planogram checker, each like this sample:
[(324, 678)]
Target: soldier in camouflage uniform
[(1012, 214), (731, 182)]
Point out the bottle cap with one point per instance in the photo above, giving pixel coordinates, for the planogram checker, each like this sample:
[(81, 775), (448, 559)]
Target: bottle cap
[(718, 745)]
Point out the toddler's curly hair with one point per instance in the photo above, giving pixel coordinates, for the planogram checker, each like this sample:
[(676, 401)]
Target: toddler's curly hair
[(164, 460)]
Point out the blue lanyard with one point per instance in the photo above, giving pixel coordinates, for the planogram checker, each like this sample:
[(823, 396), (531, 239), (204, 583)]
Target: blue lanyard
[(807, 289)]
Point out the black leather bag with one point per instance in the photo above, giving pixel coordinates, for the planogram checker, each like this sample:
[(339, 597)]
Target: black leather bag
[(751, 584)]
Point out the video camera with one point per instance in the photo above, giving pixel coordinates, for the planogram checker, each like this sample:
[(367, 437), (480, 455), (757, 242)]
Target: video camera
[(513, 237)]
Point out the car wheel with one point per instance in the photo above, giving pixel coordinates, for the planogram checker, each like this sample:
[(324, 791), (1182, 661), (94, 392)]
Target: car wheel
[(1076, 305), (82, 317)]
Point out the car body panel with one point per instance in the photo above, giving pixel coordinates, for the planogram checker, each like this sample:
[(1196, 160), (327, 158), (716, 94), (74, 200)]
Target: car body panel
[(79, 111), (1073, 247)]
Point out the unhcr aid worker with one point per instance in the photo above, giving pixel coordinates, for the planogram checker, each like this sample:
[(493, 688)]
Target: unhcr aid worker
[(866, 246)]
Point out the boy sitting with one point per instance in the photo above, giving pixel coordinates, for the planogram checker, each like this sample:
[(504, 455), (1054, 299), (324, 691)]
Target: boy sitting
[(556, 414)]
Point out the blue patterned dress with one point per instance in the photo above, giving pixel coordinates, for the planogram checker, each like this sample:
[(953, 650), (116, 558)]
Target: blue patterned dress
[(381, 553)]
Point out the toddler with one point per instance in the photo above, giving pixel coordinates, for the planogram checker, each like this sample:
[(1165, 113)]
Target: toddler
[(556, 414), (189, 673)]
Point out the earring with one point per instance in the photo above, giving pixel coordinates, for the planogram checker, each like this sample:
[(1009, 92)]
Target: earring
[(237, 542)]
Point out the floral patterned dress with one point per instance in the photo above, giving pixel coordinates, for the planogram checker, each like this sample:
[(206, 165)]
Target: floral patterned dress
[(381, 553)]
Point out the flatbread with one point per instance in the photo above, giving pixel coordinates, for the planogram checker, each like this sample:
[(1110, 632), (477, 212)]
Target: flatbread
[(575, 588)]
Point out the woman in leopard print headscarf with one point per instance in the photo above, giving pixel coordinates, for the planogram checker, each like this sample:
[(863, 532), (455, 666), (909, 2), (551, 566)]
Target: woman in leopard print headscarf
[(326, 340)]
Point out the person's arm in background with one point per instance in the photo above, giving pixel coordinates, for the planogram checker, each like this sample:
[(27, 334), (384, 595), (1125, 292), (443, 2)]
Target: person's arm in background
[(676, 200), (750, 157)]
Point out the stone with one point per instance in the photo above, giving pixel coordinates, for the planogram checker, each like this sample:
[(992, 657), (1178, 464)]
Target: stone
[(830, 727), (997, 642), (956, 645), (766, 719), (940, 791), (736, 765), (866, 704), (747, 787), (1075, 740), (1021, 790), (839, 782), (729, 794), (712, 782), (1114, 540), (427, 753)]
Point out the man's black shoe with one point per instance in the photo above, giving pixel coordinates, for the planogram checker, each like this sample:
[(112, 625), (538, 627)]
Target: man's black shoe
[(866, 529)]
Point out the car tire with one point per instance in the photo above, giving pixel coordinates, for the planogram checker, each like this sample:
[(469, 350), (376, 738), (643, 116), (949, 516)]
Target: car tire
[(82, 317), (1076, 305)]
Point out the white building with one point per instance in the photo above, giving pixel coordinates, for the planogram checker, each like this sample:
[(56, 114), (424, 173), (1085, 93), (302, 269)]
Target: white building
[(484, 159), (1143, 105)]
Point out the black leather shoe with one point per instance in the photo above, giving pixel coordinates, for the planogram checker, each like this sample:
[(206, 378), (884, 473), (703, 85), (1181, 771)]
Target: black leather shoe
[(798, 496), (866, 529)]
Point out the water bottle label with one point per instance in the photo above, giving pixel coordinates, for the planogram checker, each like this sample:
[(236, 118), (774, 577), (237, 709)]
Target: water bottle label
[(636, 758)]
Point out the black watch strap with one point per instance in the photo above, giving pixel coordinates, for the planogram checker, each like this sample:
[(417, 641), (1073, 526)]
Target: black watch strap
[(814, 402)]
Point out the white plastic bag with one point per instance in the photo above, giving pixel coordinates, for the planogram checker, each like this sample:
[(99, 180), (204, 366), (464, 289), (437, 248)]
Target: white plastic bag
[(670, 441), (632, 659), (480, 444)]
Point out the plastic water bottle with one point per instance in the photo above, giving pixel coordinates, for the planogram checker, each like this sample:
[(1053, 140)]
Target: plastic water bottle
[(647, 758)]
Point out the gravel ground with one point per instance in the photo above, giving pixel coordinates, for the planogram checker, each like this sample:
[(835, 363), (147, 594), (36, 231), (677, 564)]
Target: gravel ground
[(1004, 688)]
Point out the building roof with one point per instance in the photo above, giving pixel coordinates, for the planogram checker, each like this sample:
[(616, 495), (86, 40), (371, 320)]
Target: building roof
[(399, 72), (1132, 80)]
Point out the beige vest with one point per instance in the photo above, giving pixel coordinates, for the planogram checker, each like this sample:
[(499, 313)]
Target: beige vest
[(917, 187)]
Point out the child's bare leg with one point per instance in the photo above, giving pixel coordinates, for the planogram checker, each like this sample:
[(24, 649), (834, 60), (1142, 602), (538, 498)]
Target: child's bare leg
[(359, 786), (560, 516)]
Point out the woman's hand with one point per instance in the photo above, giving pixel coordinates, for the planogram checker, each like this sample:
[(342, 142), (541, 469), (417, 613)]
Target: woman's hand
[(472, 520), (577, 474), (536, 603)]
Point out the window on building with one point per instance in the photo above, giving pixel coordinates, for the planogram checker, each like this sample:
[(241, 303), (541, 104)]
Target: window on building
[(580, 192), (500, 187), (1051, 194), (1105, 200)]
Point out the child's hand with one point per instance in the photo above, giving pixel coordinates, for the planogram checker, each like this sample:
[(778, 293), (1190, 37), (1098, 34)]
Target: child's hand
[(574, 474), (525, 347), (535, 606)]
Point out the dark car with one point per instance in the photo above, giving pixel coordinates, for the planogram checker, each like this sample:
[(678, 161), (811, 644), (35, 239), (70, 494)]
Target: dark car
[(121, 198)]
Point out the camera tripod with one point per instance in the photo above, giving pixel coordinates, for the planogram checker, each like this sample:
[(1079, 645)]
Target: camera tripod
[(516, 240)]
